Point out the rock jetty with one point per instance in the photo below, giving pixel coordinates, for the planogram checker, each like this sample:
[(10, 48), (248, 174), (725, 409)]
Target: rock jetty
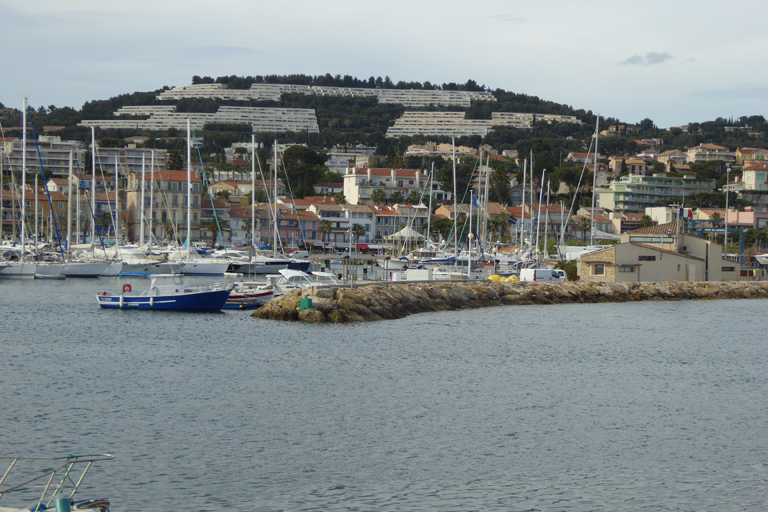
[(397, 300)]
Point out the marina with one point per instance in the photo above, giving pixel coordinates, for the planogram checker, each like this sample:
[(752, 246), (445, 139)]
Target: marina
[(578, 406)]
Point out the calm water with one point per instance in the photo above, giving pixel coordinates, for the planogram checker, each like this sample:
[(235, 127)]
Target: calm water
[(657, 406)]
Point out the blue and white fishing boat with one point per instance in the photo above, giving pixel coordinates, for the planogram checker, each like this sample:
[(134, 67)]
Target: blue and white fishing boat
[(162, 292)]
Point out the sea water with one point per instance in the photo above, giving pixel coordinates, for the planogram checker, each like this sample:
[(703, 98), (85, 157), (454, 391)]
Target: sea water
[(635, 406)]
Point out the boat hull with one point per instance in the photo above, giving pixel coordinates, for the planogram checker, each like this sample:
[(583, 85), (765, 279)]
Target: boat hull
[(19, 270), (78, 269), (192, 268), (198, 301)]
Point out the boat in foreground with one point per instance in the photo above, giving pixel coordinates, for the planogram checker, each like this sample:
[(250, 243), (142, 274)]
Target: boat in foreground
[(162, 292), (249, 295), (24, 477)]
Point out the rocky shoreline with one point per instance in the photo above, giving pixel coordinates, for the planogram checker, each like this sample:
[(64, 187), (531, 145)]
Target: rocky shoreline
[(397, 300)]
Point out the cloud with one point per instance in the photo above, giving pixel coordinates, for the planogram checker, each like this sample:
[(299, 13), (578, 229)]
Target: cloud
[(649, 59), (507, 18)]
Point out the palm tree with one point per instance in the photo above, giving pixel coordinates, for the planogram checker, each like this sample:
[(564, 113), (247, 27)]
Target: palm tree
[(646, 221), (340, 199), (325, 229), (247, 223), (378, 196), (396, 197), (358, 230), (584, 225), (413, 198), (214, 229)]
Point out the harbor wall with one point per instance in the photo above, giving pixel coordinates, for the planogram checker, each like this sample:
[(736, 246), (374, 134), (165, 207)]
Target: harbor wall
[(397, 300)]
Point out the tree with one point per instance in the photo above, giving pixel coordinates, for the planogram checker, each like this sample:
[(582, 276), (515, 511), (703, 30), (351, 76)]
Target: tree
[(303, 167), (378, 196), (325, 229), (584, 225), (214, 229), (247, 223), (340, 199), (646, 221), (396, 197), (414, 197), (358, 230)]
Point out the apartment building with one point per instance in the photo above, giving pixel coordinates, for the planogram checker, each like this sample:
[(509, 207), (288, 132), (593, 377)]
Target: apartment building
[(743, 155), (672, 158), (168, 197), (54, 155), (359, 184), (704, 153), (635, 193), (456, 124), (274, 92)]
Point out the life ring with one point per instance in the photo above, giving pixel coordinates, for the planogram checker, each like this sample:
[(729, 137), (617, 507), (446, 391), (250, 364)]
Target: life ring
[(126, 288)]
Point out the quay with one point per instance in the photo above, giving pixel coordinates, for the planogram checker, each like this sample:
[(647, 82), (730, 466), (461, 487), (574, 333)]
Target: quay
[(397, 300)]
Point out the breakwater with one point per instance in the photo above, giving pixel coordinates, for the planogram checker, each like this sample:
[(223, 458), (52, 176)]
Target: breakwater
[(397, 300)]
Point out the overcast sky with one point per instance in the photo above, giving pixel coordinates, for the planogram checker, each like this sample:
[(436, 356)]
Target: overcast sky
[(674, 62)]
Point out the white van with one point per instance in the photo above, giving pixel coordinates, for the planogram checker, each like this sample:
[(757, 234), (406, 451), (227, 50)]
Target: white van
[(543, 274)]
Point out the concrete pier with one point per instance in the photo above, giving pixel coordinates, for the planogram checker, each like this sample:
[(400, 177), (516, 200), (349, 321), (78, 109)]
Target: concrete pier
[(398, 300)]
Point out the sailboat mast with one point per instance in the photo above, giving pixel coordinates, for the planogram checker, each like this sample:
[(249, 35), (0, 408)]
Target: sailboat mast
[(485, 208), (69, 206), (117, 206), (455, 209), (23, 176), (538, 211), (469, 235), (522, 228), (141, 218), (36, 215), (594, 181), (93, 189), (189, 188), (253, 190), (546, 220), (274, 200), (77, 214), (429, 213), (151, 196)]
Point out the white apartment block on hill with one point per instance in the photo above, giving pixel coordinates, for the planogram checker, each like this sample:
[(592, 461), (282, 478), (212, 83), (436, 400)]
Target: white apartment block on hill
[(710, 152), (274, 92), (261, 119), (456, 124)]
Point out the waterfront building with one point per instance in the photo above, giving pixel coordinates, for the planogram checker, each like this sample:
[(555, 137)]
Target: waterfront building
[(634, 193), (54, 155), (169, 205), (656, 254)]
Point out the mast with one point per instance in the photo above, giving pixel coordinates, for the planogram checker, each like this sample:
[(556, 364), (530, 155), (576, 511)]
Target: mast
[(253, 190), (594, 181), (117, 206), (189, 188), (538, 211), (69, 206), (77, 214), (274, 200), (23, 177), (455, 209), (469, 236), (486, 215), (546, 219), (151, 196), (141, 217), (522, 228), (93, 190), (36, 232), (429, 213)]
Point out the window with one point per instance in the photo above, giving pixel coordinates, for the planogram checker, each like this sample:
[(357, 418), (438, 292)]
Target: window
[(194, 218), (626, 269), (175, 200), (174, 186), (598, 269)]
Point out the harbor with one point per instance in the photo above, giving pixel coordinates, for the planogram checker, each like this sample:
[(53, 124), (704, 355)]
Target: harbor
[(591, 406)]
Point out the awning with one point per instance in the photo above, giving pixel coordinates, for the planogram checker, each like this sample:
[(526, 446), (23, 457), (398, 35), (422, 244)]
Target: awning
[(363, 247)]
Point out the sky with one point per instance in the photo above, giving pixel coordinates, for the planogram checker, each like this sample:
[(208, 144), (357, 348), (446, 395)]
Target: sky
[(674, 62)]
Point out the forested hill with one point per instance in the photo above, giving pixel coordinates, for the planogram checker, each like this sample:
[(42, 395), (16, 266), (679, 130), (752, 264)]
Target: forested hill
[(347, 120)]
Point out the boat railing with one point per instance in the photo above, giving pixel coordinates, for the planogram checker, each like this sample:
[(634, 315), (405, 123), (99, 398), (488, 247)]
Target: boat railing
[(70, 465)]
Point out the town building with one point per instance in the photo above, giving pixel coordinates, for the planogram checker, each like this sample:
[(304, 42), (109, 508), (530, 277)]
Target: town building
[(704, 153), (635, 193), (657, 254)]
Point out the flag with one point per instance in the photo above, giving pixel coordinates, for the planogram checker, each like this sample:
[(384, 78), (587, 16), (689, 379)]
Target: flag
[(474, 202)]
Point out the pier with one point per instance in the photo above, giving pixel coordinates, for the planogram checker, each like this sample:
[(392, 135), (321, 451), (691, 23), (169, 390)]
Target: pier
[(397, 300)]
